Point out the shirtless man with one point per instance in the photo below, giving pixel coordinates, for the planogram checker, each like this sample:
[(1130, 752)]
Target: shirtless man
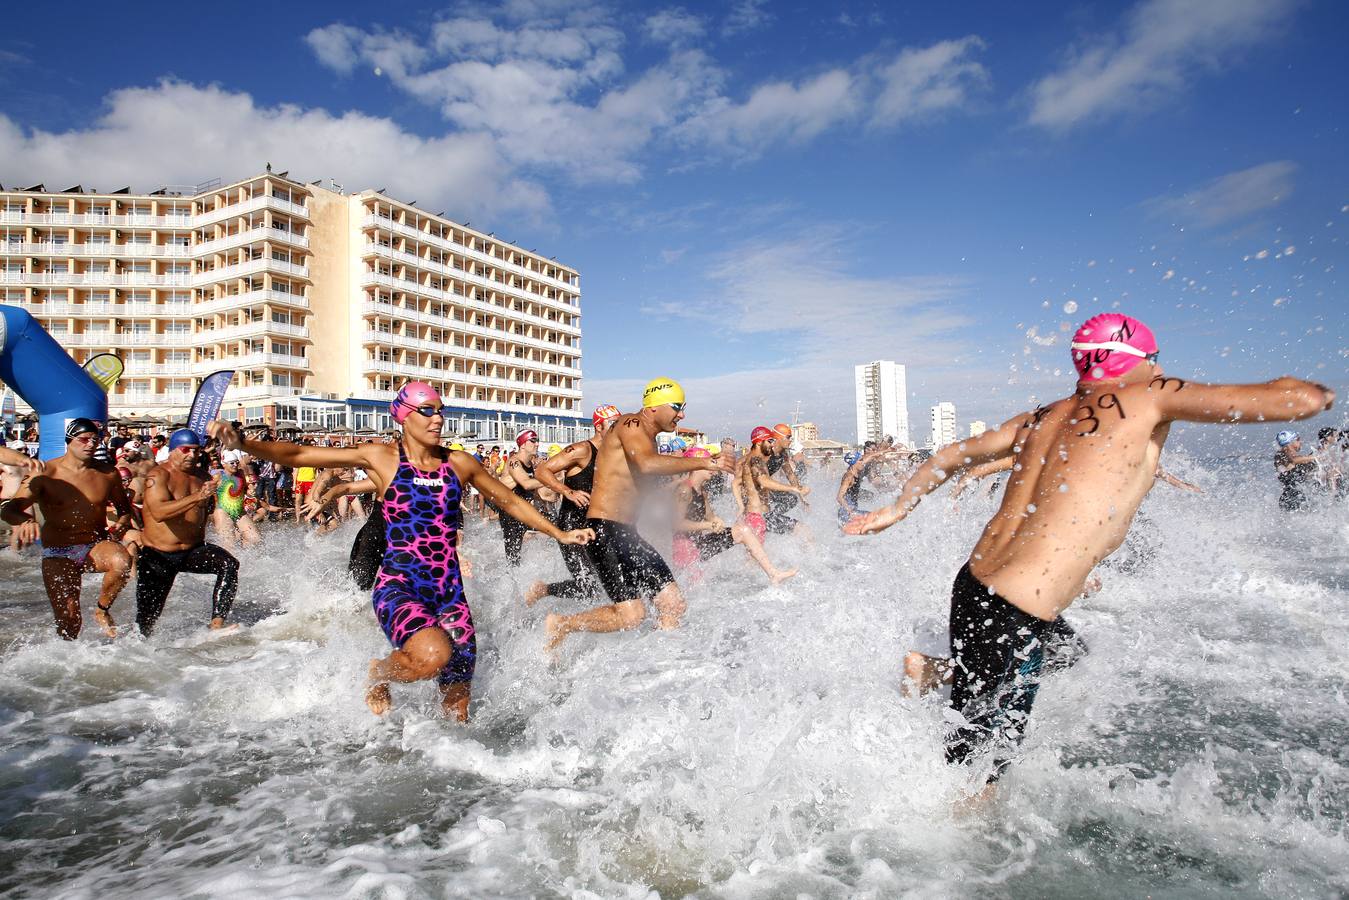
[(73, 493), (753, 485), (179, 495), (1083, 464), (418, 593), (519, 477), (577, 464), (629, 568)]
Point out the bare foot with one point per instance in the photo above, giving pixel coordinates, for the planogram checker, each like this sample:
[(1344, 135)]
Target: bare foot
[(976, 803), (781, 576), (377, 695), (218, 624), (104, 619), (536, 592), (553, 627)]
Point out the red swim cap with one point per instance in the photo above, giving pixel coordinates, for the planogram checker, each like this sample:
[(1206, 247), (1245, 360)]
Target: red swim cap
[(762, 434), (698, 453), (525, 437), (413, 395), (604, 413), (1109, 345)]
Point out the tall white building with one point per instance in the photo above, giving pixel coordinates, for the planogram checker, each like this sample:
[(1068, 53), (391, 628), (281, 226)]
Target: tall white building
[(943, 424), (882, 407), (978, 427)]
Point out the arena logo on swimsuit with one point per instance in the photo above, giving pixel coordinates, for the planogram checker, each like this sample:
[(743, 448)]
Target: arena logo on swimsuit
[(429, 482)]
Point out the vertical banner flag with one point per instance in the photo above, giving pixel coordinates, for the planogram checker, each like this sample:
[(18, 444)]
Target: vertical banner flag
[(9, 409), (206, 405)]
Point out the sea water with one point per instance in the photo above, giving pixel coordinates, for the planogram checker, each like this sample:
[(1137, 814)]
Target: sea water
[(762, 750)]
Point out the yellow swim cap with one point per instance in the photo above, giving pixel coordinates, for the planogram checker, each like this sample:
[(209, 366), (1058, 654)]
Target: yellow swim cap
[(458, 447), (661, 391), (554, 450)]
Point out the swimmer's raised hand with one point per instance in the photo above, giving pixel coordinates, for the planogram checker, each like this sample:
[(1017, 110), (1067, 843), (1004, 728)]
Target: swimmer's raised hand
[(225, 433), (580, 498), (577, 536), (208, 489), (27, 534)]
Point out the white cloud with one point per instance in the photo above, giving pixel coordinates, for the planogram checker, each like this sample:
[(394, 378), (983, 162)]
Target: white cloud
[(745, 15), (673, 26), (341, 47), (1231, 197), (928, 79), (1164, 45), (181, 133), (777, 112)]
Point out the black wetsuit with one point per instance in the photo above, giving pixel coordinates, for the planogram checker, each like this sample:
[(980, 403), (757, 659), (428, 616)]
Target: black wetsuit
[(159, 568), (998, 654), (513, 530), (1294, 480), (778, 502), (583, 584), (627, 566), (368, 549)]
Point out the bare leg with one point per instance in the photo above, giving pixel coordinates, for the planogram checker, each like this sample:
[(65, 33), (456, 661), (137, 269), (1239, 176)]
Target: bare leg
[(536, 592), (62, 580), (114, 562), (423, 656), (248, 532), (454, 700), (670, 607), (746, 538), (611, 617), (923, 673)]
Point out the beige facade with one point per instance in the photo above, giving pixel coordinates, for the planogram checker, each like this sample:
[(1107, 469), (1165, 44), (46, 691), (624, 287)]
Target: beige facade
[(323, 303)]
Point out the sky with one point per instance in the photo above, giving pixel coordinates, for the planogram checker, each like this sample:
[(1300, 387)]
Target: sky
[(761, 195)]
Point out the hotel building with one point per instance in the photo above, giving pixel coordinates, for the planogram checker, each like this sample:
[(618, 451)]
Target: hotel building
[(882, 402), (322, 302), (943, 425)]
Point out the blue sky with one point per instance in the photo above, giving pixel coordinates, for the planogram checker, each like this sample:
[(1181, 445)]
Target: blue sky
[(760, 195)]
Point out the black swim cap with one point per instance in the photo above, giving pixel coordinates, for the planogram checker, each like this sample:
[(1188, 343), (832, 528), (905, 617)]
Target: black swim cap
[(80, 426)]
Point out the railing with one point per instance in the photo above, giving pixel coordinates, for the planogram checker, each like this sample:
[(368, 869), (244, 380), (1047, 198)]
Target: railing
[(450, 349), (467, 302), (377, 221), (252, 361), (112, 340), (142, 279), (249, 298), (394, 368), (251, 391), (239, 270), (484, 405), (449, 271), (234, 332), (261, 233), (385, 309), (252, 205), (70, 249), (135, 367), (108, 221), (137, 399), (98, 309)]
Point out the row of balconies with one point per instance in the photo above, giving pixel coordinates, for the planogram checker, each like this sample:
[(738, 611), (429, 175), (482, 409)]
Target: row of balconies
[(247, 299), (371, 393), (134, 279), (466, 378), (375, 220), (426, 265), (183, 222), (412, 315), (412, 287), (450, 349), (261, 233), (65, 249)]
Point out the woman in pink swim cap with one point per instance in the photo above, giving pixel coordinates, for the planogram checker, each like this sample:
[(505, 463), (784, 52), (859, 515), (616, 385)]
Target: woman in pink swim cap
[(414, 394), (1109, 345)]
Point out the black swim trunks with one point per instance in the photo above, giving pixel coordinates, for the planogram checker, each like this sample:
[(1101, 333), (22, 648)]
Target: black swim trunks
[(999, 654), (627, 566)]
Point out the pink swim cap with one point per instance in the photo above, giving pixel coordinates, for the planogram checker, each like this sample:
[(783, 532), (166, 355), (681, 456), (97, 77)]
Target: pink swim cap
[(1109, 345), (413, 395)]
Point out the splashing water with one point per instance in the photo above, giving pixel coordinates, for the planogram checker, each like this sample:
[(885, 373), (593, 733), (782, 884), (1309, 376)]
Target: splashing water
[(762, 750)]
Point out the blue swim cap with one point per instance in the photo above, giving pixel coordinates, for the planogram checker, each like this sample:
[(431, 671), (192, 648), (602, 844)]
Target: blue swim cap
[(184, 437), (851, 458), (1286, 437), (679, 445)]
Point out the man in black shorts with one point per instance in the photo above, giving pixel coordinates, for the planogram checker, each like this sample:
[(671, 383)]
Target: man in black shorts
[(630, 569)]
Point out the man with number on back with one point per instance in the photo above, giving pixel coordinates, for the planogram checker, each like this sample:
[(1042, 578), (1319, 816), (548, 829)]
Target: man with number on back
[(1083, 464)]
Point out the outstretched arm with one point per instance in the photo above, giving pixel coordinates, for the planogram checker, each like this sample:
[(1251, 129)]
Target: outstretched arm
[(1175, 482), (297, 455), (1284, 399), (511, 503), (934, 473), (550, 473), (974, 473), (23, 461), (643, 457)]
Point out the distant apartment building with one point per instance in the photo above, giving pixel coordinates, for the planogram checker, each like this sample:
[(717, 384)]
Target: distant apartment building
[(323, 303), (978, 427), (882, 402), (943, 424)]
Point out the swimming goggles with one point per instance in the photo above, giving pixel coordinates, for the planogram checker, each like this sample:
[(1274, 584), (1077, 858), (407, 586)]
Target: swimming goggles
[(428, 411), (677, 407), (1119, 346)]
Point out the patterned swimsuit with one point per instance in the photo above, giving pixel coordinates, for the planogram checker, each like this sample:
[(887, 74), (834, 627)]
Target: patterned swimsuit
[(419, 585)]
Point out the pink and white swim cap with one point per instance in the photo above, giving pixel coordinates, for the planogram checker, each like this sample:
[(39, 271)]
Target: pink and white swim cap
[(413, 395), (1109, 345)]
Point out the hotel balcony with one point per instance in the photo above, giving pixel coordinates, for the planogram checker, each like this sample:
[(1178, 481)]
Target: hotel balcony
[(250, 298), (252, 235), (249, 206), (253, 266), (412, 287)]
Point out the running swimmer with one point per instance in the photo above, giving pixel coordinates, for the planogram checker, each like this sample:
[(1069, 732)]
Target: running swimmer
[(178, 499), (577, 464), (519, 478), (230, 519), (630, 570), (1295, 470), (418, 594), (701, 535), (73, 494), (1083, 465), (754, 485)]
